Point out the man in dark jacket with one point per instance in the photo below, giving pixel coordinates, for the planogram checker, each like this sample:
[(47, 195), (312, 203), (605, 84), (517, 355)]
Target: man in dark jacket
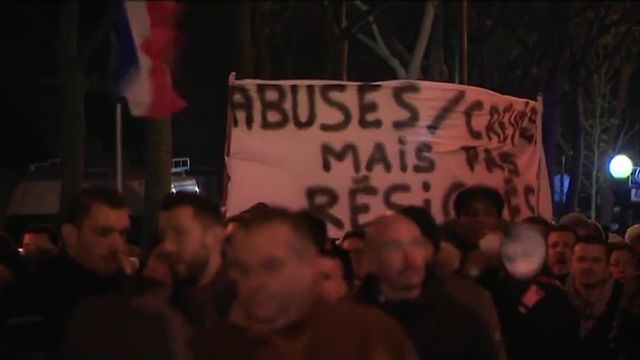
[(597, 296), (188, 259), (92, 263), (398, 249), (278, 313)]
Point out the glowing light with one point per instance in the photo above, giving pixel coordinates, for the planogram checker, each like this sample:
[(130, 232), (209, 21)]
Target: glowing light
[(620, 167)]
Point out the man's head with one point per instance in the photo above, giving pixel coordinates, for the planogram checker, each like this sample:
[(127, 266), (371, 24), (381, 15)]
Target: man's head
[(39, 240), (191, 237), (273, 260), (560, 242), (622, 264), (582, 225), (632, 236), (336, 274), (590, 262), (479, 205), (317, 229), (95, 227), (353, 243), (541, 224), (398, 249)]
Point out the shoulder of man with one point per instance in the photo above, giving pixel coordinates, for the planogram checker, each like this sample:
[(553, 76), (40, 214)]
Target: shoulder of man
[(111, 326), (382, 334), (469, 294)]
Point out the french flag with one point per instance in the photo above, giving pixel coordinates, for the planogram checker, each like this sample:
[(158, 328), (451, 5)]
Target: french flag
[(145, 38)]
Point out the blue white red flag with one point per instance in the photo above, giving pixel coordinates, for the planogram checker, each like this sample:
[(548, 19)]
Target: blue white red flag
[(145, 37)]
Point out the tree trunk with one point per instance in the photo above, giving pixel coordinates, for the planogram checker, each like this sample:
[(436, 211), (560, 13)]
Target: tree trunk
[(72, 104), (437, 66), (575, 120), (158, 156)]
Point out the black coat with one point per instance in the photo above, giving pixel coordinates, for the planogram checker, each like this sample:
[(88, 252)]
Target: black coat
[(42, 305), (547, 327), (438, 326)]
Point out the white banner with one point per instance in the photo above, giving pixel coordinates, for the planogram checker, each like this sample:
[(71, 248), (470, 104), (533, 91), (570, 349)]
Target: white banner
[(351, 151)]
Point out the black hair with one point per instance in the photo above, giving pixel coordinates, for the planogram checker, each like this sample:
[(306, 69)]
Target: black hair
[(255, 208), (336, 252), (480, 192), (425, 222), (561, 228), (82, 201), (203, 208), (593, 239), (317, 228), (42, 229), (621, 246)]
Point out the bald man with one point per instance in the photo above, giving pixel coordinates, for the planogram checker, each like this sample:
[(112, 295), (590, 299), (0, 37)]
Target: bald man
[(399, 250)]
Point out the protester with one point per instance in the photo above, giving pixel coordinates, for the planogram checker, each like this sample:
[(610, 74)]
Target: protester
[(94, 234), (479, 210), (624, 268), (278, 314), (336, 271), (528, 301), (560, 242), (189, 256), (597, 296), (399, 249), (541, 224), (353, 242), (582, 225)]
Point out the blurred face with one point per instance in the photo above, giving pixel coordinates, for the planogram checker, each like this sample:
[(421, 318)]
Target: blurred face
[(622, 266), (589, 266), (275, 272), (482, 214), (355, 247), (190, 247), (99, 244), (333, 287), (34, 244), (399, 253), (559, 251)]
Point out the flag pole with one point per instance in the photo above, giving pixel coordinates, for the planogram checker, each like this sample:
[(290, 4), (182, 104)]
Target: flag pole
[(227, 146), (119, 146)]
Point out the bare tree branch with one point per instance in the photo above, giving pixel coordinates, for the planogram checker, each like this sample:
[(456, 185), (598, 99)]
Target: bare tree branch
[(379, 46), (392, 61)]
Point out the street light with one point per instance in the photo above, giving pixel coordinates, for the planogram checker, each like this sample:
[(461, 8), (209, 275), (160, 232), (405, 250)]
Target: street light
[(620, 166)]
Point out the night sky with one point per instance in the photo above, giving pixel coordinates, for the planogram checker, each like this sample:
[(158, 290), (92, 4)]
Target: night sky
[(298, 48)]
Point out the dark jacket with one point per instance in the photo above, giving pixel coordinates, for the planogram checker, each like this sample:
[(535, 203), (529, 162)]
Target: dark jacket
[(327, 332), (600, 323), (438, 326), (50, 298), (538, 319)]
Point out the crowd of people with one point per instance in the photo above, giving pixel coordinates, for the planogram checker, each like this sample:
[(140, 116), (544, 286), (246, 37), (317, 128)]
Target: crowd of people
[(269, 283)]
